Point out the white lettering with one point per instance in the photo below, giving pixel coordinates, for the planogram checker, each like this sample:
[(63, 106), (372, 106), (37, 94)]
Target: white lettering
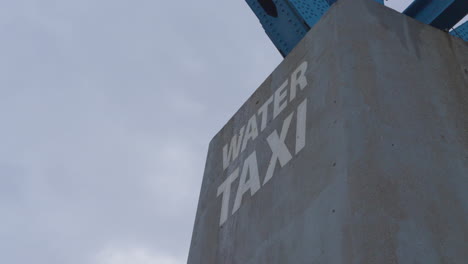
[(225, 189), (298, 78), (263, 110), (233, 152), (280, 95), (279, 148), (252, 184), (301, 120), (249, 175), (251, 131)]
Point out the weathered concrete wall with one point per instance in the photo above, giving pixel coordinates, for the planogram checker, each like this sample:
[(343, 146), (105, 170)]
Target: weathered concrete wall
[(370, 158)]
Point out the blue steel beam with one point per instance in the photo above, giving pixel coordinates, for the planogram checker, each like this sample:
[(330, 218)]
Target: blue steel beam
[(330, 2), (461, 31), (442, 14), (287, 21)]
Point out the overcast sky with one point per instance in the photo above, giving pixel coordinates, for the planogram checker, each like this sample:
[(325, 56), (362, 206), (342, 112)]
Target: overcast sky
[(106, 111)]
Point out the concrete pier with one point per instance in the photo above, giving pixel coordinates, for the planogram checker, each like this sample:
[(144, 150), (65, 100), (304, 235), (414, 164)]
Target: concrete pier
[(354, 150)]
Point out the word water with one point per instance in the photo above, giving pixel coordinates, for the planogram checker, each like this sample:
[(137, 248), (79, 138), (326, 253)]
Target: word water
[(249, 180)]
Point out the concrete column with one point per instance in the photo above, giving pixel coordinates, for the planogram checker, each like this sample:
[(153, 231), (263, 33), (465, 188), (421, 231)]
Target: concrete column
[(354, 150)]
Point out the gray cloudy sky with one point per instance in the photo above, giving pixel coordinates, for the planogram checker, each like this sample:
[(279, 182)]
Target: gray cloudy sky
[(106, 111)]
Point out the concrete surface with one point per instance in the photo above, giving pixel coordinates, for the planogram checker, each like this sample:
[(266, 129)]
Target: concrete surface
[(378, 173)]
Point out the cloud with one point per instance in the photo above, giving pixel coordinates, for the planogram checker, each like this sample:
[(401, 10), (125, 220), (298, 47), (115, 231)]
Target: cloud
[(133, 256), (106, 112)]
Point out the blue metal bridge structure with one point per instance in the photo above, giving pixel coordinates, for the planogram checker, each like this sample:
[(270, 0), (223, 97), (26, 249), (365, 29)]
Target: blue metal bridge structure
[(287, 21)]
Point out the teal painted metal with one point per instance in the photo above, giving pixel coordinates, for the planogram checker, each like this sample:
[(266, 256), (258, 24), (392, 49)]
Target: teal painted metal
[(330, 2), (442, 14), (287, 21), (461, 31), (310, 10)]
